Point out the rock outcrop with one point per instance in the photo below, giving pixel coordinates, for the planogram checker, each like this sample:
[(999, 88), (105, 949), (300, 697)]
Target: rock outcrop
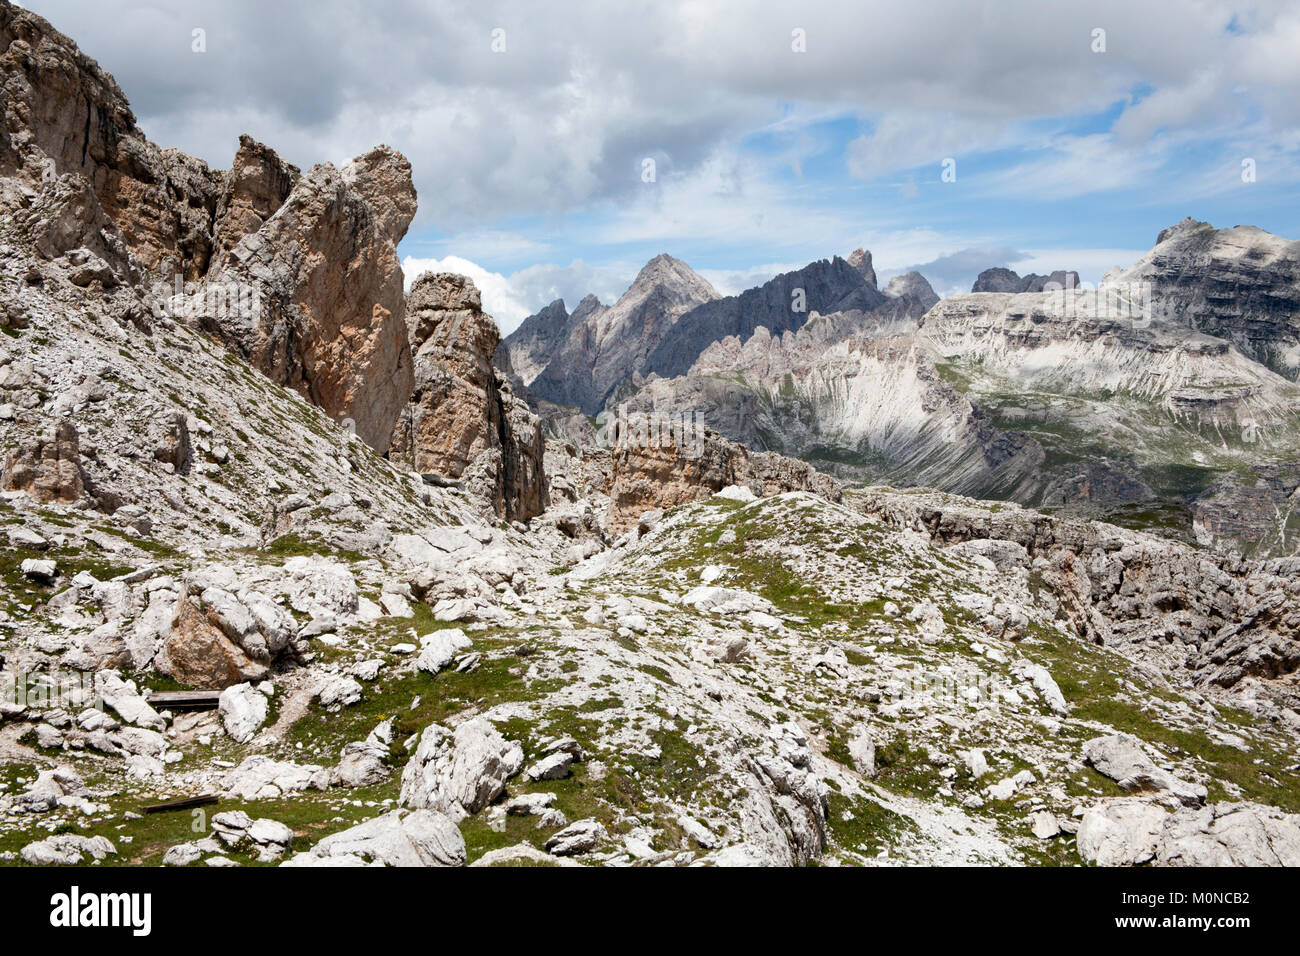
[(1214, 616), (48, 468), (463, 421), (1007, 280), (1131, 832), (1240, 284), (657, 465), (257, 185), (66, 121), (860, 259), (328, 318), (319, 267)]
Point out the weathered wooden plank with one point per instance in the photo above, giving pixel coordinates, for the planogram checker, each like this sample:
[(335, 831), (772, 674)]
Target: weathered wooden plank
[(184, 803), (184, 699)]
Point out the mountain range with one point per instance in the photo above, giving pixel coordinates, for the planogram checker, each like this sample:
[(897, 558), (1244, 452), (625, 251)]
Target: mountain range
[(1165, 399), (313, 553)]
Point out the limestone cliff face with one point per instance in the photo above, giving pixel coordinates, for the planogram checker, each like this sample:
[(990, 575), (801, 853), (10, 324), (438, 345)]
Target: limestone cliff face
[(1241, 284), (653, 467), (257, 185), (329, 320), (463, 420), (527, 350), (64, 116), (318, 252)]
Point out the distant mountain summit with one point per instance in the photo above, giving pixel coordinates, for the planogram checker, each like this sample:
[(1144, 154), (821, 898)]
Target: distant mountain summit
[(668, 317), (603, 347), (782, 304), (1007, 280), (1241, 284)]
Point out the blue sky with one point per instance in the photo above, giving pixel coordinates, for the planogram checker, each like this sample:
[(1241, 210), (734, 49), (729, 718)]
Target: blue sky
[(528, 153), (908, 217)]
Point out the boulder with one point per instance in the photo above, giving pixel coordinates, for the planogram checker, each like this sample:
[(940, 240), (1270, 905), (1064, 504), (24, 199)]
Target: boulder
[(129, 704), (199, 654), (364, 762), (440, 648), (243, 710), (260, 778), (460, 772), (398, 838), (52, 787), (580, 837), (67, 849), (1131, 831), (48, 467), (338, 691), (1120, 757), (554, 766)]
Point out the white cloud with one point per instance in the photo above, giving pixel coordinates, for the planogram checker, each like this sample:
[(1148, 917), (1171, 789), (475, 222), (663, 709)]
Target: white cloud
[(586, 89), (512, 298), (1069, 166), (905, 140), (499, 299)]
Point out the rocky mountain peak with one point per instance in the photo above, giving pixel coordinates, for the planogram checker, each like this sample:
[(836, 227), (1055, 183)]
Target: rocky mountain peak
[(1241, 284), (781, 304), (436, 295), (382, 176), (256, 186), (601, 347), (1182, 228), (912, 284), (860, 259), (1000, 279), (588, 305), (678, 282)]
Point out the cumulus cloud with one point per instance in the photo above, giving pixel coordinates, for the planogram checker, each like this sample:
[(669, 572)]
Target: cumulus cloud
[(499, 300), (534, 154), (583, 92), (512, 298)]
